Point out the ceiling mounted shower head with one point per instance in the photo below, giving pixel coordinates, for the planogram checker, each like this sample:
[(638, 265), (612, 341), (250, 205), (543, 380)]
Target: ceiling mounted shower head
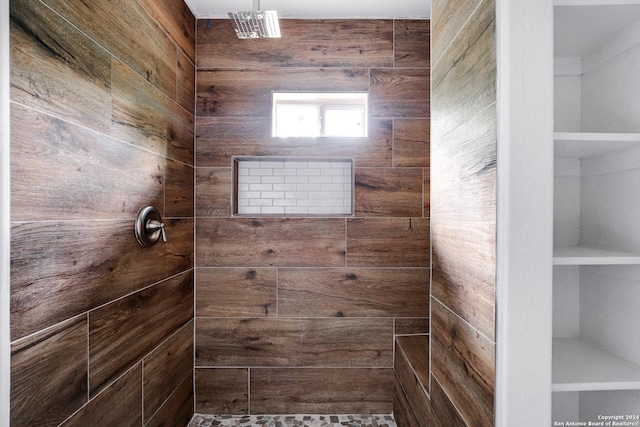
[(256, 24)]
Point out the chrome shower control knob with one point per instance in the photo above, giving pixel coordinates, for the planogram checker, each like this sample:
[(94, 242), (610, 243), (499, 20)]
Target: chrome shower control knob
[(153, 225), (149, 227)]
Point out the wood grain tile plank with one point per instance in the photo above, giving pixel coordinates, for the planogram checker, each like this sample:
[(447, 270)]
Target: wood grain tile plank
[(398, 92), (222, 391), (148, 118), (49, 374), (304, 43), (466, 284), (219, 138), (412, 43), (412, 326), (414, 390), (415, 349), (411, 142), (412, 407), (166, 367), (402, 412), (123, 332), (62, 171), (85, 268), (186, 84), (464, 171), (463, 363), (179, 190), (463, 188), (127, 31), (306, 342), (426, 198), (57, 69), (213, 192), (321, 391), (176, 19), (234, 93), (270, 242), (353, 292), (236, 292), (448, 19), (444, 412), (388, 192), (464, 80), (177, 410), (119, 405), (388, 242)]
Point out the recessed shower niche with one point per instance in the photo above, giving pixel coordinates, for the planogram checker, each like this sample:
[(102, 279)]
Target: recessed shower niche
[(292, 186)]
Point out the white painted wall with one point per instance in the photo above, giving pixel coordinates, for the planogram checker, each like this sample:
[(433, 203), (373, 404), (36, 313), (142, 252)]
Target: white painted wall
[(566, 201), (566, 406), (567, 99), (610, 90), (609, 314), (4, 215), (610, 205), (326, 9), (525, 216), (567, 95), (566, 301), (595, 403)]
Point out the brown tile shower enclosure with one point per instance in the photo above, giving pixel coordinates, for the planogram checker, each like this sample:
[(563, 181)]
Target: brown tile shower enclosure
[(290, 315), (297, 315)]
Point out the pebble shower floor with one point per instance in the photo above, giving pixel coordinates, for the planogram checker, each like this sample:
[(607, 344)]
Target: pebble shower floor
[(292, 420)]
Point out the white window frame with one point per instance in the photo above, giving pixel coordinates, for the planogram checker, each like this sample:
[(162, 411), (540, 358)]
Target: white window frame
[(323, 101)]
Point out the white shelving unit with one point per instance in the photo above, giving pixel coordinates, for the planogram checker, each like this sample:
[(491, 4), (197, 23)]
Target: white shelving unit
[(579, 366), (596, 347)]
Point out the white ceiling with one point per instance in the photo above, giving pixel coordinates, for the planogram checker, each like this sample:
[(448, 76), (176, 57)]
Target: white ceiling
[(579, 30), (318, 9)]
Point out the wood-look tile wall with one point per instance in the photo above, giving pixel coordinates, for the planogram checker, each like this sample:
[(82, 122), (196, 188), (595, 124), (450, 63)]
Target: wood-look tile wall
[(102, 123), (297, 315), (463, 223)]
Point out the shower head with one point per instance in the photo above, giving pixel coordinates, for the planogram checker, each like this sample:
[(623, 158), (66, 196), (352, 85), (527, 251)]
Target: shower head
[(256, 24)]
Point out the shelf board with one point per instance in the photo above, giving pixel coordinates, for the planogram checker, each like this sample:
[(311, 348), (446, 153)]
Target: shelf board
[(583, 145), (579, 366), (588, 255)]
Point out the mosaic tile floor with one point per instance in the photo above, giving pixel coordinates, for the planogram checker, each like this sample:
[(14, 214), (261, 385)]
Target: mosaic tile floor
[(292, 421)]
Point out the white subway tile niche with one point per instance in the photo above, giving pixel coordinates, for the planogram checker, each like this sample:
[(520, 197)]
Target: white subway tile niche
[(292, 186)]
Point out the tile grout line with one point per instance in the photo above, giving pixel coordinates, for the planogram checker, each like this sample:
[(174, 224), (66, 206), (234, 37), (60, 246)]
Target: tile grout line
[(249, 390)]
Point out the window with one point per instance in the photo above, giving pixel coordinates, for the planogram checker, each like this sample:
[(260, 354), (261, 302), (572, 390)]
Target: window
[(341, 114)]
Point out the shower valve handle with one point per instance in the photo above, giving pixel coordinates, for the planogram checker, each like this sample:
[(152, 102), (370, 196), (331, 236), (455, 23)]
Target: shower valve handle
[(153, 225), (149, 227)]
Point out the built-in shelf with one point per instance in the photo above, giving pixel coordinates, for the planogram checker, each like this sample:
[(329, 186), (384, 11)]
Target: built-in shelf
[(584, 145), (589, 255), (579, 366), (595, 207)]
